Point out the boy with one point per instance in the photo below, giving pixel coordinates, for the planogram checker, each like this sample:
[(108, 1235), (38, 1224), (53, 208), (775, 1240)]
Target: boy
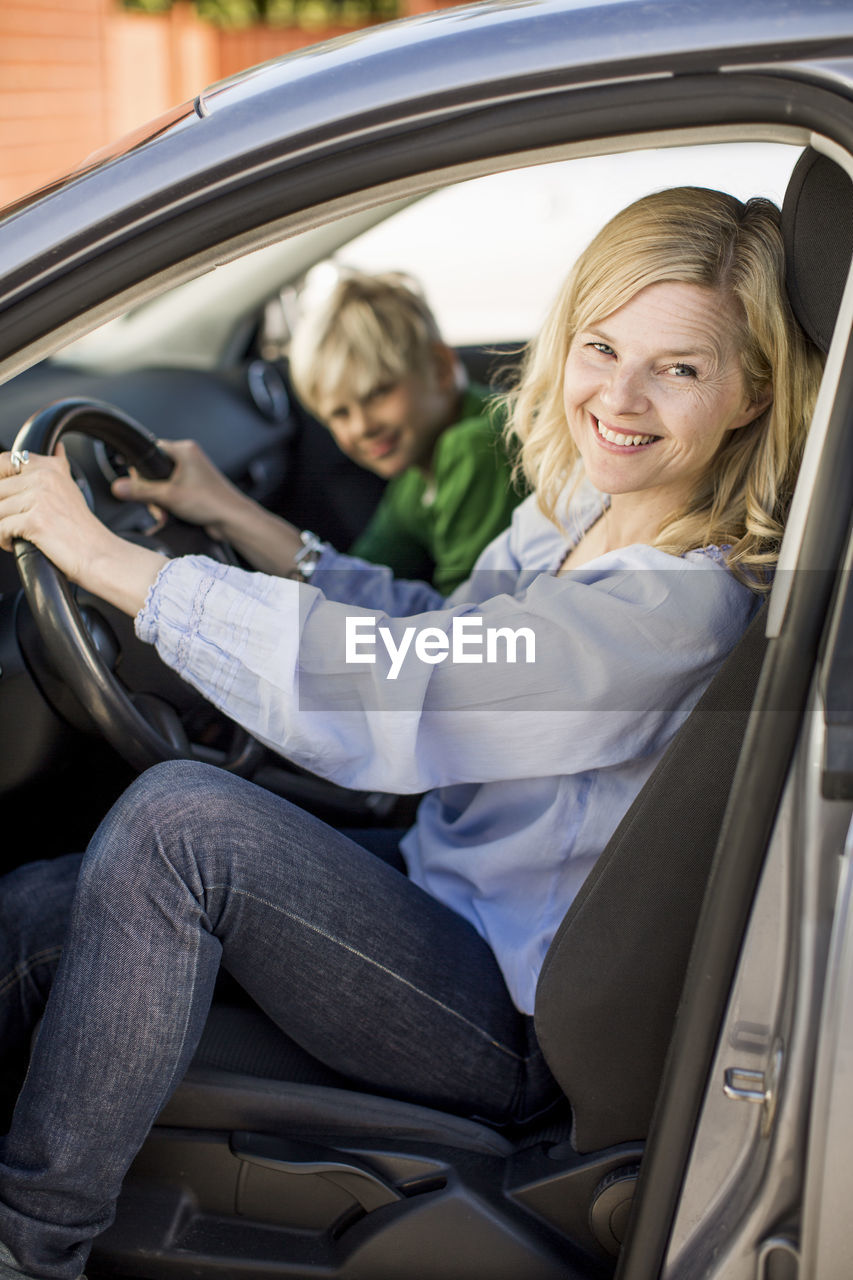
[(371, 364)]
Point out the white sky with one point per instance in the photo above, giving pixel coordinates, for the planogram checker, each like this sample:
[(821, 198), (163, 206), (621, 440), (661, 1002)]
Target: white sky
[(519, 232)]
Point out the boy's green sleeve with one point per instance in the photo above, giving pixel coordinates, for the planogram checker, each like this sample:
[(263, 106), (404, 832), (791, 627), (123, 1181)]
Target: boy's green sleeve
[(475, 498), (387, 538)]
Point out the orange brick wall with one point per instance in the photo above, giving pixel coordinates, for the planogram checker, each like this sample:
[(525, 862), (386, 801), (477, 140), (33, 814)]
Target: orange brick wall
[(240, 49), (53, 99), (153, 62), (78, 74)]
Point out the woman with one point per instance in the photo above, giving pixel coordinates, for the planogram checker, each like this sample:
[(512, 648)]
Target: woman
[(670, 377)]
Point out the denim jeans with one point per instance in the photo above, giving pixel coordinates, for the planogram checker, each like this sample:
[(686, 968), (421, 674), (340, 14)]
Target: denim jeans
[(190, 870)]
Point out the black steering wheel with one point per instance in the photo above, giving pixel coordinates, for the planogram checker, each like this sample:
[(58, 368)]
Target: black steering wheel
[(144, 728)]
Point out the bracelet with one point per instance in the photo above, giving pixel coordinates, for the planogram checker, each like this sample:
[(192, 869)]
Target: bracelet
[(308, 556)]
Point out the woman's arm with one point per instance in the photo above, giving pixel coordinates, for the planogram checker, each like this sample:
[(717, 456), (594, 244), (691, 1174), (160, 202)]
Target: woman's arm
[(42, 504), (618, 653), (592, 670), (197, 491)]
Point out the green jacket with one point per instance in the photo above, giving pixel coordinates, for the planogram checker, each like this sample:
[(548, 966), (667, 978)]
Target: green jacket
[(435, 529)]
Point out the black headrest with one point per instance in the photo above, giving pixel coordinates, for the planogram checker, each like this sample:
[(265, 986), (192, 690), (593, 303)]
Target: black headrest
[(817, 227)]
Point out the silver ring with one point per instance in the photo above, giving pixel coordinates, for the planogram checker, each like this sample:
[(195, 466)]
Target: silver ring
[(19, 460)]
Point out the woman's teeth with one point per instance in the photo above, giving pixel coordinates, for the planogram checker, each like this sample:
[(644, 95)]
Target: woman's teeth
[(620, 437)]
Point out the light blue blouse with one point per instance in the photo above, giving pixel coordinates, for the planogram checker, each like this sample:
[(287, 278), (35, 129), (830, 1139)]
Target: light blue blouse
[(528, 765)]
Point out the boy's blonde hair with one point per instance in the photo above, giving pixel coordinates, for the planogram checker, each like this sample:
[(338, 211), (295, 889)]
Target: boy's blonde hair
[(372, 330), (708, 238)]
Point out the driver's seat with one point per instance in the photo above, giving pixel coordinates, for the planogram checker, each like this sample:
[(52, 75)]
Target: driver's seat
[(265, 1163)]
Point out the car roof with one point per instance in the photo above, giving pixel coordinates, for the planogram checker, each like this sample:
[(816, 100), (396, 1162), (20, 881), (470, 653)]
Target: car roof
[(501, 42), (389, 79), (473, 53)]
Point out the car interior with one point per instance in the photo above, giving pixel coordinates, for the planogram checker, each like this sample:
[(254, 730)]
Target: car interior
[(265, 1162)]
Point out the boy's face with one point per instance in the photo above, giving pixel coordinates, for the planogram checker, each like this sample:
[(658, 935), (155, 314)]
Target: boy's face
[(393, 427)]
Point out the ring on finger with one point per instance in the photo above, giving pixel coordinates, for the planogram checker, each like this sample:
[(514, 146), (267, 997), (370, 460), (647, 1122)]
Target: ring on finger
[(19, 459)]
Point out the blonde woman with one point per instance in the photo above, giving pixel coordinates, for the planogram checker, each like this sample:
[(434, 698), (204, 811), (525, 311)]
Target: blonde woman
[(661, 419), (686, 236)]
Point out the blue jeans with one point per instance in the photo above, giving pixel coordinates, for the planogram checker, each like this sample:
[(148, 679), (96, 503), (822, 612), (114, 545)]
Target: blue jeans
[(190, 870)]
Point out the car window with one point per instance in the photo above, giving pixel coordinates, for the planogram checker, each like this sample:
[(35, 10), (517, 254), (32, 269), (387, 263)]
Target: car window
[(489, 252), (492, 251)]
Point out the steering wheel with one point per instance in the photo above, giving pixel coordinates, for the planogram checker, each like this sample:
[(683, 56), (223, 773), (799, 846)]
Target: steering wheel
[(144, 728)]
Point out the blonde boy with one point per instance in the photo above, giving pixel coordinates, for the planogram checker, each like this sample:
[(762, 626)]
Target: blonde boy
[(372, 365)]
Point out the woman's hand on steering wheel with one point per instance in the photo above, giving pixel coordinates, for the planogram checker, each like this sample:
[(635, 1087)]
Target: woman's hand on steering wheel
[(196, 491), (58, 540), (41, 503)]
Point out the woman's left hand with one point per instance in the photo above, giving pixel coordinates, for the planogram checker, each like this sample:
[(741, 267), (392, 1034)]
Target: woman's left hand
[(40, 502)]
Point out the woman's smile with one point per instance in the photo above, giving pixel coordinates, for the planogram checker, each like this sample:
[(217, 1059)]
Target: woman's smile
[(619, 438)]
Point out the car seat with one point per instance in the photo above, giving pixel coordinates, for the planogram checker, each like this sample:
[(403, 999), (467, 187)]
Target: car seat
[(266, 1163)]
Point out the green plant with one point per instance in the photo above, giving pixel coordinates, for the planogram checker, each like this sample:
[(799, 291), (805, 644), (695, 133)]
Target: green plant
[(303, 13)]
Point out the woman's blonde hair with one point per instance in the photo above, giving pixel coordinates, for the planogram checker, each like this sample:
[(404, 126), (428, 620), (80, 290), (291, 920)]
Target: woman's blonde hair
[(708, 238), (371, 330)]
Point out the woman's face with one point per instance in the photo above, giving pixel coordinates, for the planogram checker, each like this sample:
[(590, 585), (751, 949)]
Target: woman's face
[(651, 391)]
